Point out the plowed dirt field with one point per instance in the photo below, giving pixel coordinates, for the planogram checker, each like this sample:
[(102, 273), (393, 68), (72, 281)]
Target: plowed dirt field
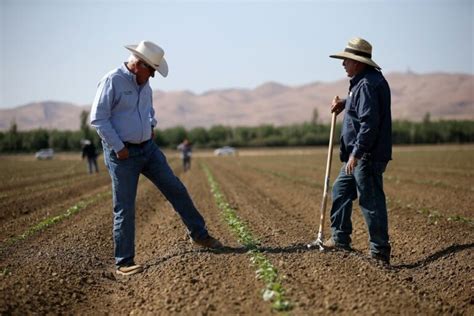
[(56, 239)]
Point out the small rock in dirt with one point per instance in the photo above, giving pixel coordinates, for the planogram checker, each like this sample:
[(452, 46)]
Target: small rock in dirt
[(333, 307), (210, 307), (108, 275), (139, 302)]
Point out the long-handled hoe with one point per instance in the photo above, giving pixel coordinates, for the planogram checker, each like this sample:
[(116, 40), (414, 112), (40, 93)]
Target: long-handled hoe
[(320, 239)]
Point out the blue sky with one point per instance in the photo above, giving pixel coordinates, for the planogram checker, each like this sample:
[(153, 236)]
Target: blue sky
[(59, 49)]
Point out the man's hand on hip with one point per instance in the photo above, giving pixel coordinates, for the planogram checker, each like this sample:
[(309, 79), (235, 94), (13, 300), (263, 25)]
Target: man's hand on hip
[(351, 164), (122, 154)]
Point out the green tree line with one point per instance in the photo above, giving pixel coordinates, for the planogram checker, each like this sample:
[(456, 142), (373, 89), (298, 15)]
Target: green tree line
[(304, 134)]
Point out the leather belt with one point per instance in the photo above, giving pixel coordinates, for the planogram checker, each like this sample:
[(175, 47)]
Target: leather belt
[(128, 145)]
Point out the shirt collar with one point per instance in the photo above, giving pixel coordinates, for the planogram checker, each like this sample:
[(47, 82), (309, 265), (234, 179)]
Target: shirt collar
[(131, 76), (128, 74), (355, 80)]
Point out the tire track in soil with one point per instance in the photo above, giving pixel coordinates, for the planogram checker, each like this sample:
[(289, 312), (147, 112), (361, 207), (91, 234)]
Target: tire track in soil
[(416, 287)]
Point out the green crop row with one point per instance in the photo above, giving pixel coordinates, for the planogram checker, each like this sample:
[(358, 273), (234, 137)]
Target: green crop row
[(434, 216), (54, 219), (273, 291)]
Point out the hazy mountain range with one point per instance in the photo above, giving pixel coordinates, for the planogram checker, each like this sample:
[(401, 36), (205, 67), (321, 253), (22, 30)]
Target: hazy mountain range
[(444, 96)]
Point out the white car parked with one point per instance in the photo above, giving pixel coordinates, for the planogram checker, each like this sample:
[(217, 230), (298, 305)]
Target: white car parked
[(47, 153), (225, 151)]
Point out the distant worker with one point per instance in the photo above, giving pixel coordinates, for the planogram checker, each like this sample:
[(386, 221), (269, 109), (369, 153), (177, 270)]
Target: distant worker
[(365, 150), (89, 151), (186, 149), (123, 114)]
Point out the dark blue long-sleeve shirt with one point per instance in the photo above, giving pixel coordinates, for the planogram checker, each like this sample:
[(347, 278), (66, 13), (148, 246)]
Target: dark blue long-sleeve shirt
[(367, 125)]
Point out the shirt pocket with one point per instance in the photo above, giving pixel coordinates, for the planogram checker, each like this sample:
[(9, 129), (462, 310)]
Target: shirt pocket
[(127, 99)]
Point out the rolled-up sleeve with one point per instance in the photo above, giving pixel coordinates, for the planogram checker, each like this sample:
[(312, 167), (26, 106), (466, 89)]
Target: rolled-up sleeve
[(368, 113), (100, 117)]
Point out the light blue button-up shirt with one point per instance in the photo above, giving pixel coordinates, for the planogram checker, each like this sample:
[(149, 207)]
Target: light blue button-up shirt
[(122, 110)]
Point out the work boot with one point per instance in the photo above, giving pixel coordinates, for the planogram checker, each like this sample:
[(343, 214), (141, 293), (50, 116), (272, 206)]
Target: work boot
[(129, 269), (208, 242), (379, 257), (331, 244)]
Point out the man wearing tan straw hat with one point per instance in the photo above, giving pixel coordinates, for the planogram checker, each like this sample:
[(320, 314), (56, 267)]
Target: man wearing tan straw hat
[(366, 149), (123, 114)]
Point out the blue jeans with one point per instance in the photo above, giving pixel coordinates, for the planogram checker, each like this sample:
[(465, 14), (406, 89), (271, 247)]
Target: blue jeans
[(367, 183), (151, 162)]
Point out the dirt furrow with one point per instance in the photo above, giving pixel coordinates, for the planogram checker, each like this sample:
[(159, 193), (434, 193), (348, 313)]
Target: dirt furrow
[(445, 200), (421, 293), (179, 277), (68, 268), (30, 202), (40, 208), (73, 267), (29, 173)]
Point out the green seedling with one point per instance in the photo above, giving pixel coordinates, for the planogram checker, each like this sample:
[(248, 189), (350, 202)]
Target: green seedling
[(5, 272), (461, 219), (273, 291), (53, 220)]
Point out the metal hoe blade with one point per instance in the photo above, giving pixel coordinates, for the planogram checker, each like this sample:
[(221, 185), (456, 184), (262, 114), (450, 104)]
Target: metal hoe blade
[(317, 243)]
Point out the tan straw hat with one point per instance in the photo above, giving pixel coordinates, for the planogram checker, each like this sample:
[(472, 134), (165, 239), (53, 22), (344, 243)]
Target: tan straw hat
[(152, 54), (357, 49)]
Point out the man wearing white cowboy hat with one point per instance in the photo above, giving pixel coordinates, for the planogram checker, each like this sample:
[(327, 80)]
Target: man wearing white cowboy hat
[(123, 114), (366, 149)]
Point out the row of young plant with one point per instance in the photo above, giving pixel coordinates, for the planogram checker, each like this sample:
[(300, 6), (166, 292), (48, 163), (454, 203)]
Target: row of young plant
[(42, 225), (266, 135), (39, 189), (434, 216), (274, 291)]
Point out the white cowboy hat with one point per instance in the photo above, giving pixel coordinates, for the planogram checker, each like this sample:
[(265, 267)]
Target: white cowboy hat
[(152, 54), (357, 49)]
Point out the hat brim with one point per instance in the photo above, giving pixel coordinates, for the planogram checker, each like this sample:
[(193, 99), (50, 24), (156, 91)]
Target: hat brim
[(365, 60), (162, 68)]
